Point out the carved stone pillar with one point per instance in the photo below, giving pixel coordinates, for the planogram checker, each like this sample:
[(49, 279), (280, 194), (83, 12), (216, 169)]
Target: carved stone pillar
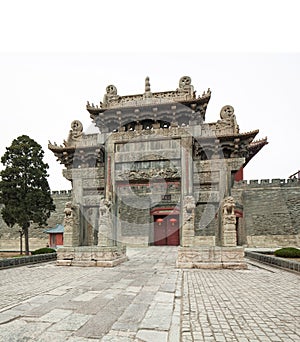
[(188, 221), (187, 165), (105, 238), (91, 230), (71, 233)]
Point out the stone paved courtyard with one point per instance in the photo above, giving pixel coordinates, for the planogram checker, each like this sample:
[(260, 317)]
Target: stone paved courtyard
[(148, 299)]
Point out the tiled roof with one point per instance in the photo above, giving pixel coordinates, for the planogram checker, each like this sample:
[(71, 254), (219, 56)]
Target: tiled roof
[(59, 228)]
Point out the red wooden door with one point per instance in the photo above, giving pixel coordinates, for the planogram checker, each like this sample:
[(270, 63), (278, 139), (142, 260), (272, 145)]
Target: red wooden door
[(166, 230), (172, 231), (160, 231)]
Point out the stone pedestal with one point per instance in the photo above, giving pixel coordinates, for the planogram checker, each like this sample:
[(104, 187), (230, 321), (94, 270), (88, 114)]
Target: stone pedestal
[(105, 235), (91, 256), (229, 235), (211, 257)]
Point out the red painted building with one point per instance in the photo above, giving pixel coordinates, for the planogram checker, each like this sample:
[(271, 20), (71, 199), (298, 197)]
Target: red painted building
[(56, 236)]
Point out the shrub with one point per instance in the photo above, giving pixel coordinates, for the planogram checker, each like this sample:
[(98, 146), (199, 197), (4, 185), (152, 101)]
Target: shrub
[(288, 252), (43, 251)]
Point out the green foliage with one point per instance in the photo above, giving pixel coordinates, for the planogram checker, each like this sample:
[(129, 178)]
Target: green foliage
[(24, 188), (288, 252), (44, 250)]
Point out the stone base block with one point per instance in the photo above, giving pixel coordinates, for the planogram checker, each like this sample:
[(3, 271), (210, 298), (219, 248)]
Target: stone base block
[(92, 256), (211, 257)]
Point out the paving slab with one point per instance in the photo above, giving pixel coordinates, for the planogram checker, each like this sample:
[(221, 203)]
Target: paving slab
[(152, 335), (55, 315), (148, 299)]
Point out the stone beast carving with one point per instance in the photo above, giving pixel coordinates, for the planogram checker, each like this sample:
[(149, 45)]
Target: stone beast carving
[(228, 210), (71, 237), (228, 119), (75, 133), (228, 206), (111, 95), (105, 206), (185, 86), (69, 215)]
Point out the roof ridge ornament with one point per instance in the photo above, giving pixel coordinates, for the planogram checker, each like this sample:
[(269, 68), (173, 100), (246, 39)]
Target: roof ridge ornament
[(228, 120), (147, 88), (184, 94), (185, 86)]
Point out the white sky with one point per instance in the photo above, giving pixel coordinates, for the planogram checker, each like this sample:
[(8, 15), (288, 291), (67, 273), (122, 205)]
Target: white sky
[(56, 55)]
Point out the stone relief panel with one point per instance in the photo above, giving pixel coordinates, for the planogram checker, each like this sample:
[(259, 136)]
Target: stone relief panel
[(168, 173), (188, 208), (207, 177), (91, 200), (93, 183)]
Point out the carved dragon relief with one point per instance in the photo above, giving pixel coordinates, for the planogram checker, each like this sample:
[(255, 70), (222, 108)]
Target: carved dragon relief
[(167, 173)]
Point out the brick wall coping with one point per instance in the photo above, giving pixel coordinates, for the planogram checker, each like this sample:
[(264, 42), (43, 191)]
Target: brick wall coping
[(274, 261), (26, 260), (61, 192), (267, 182)]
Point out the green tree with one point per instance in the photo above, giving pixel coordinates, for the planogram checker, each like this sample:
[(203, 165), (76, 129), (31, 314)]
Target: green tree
[(24, 189)]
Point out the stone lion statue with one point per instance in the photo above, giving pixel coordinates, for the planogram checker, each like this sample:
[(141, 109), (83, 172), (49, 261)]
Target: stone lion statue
[(228, 206)]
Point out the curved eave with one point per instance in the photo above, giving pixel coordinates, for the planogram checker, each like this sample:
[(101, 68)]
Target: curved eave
[(242, 136), (231, 137), (55, 148), (254, 148)]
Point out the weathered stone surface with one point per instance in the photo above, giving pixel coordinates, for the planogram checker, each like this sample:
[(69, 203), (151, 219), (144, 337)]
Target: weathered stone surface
[(238, 305), (271, 212), (211, 257), (149, 140), (91, 256), (72, 322), (152, 335), (55, 315)]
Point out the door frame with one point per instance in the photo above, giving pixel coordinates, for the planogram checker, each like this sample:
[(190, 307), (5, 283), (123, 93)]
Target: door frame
[(166, 211)]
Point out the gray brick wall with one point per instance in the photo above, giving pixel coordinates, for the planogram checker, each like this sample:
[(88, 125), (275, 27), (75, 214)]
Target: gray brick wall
[(9, 237), (271, 207)]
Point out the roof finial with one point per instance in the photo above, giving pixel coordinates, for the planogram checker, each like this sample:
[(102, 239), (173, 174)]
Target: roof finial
[(147, 87)]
